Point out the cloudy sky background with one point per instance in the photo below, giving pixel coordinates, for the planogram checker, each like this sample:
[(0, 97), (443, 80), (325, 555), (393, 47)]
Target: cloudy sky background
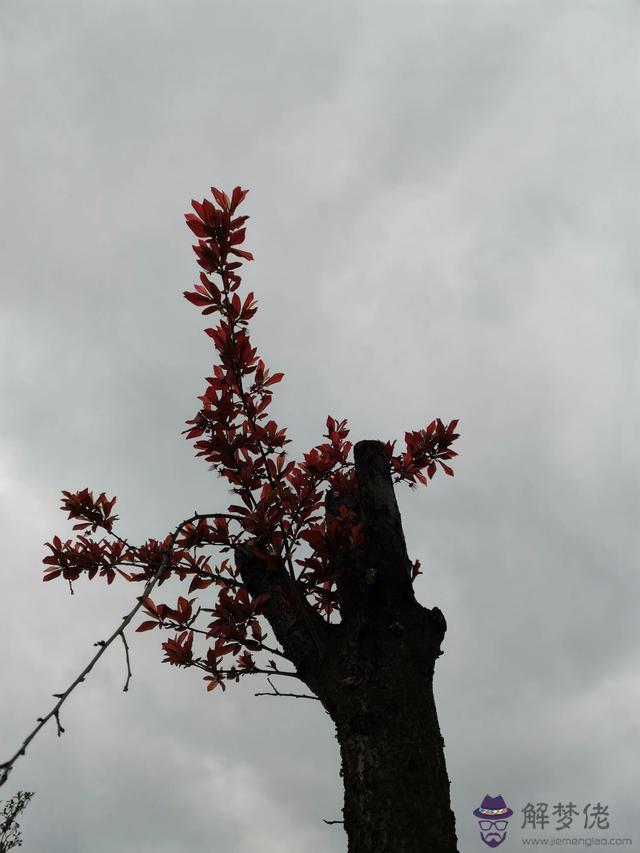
[(444, 218)]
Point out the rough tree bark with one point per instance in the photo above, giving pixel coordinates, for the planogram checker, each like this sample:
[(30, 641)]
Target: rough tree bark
[(373, 673)]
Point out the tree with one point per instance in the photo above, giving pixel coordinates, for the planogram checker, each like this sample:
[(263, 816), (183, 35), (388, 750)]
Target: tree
[(9, 826), (373, 669)]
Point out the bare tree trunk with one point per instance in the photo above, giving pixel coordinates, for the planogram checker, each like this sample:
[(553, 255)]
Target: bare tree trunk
[(396, 788), (373, 673)]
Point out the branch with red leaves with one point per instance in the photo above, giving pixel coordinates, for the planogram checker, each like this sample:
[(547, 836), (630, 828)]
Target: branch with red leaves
[(250, 456), (97, 512)]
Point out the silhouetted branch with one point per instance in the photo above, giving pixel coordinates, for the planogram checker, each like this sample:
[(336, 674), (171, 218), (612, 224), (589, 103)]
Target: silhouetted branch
[(7, 766), (276, 692)]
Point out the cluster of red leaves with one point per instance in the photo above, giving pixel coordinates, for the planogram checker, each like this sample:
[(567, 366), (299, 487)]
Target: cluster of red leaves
[(250, 456), (82, 505), (86, 555), (424, 448)]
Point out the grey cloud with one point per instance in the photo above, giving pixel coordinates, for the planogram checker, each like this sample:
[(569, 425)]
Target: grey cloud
[(444, 217)]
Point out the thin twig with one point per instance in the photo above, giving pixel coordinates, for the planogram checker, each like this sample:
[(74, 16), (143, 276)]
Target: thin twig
[(276, 692), (7, 766), (294, 695), (126, 651)]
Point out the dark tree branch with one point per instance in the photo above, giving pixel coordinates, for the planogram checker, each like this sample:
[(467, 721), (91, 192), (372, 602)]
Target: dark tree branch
[(276, 692), (300, 630), (7, 766), (390, 581), (126, 652)]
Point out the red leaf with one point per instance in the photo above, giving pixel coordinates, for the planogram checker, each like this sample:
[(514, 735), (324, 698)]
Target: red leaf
[(451, 427), (221, 198), (148, 603), (147, 626), (238, 237), (199, 583), (237, 197), (277, 377), (447, 469), (209, 212), (197, 299), (52, 575), (241, 254), (196, 225)]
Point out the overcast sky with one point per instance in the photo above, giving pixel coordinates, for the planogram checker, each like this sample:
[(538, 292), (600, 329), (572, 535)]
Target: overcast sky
[(444, 218)]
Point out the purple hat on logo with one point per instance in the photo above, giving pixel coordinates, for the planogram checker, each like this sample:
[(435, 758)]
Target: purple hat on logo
[(493, 808)]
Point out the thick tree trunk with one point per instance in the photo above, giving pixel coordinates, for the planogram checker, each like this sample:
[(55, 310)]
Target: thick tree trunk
[(396, 788), (373, 673)]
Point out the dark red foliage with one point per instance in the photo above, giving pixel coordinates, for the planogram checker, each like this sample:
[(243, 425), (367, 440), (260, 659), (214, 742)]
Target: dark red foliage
[(250, 456)]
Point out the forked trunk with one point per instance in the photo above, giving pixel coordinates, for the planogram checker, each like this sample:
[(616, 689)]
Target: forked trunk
[(373, 673)]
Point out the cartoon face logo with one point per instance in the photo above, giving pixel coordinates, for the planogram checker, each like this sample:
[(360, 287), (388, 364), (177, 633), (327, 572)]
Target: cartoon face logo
[(493, 817)]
